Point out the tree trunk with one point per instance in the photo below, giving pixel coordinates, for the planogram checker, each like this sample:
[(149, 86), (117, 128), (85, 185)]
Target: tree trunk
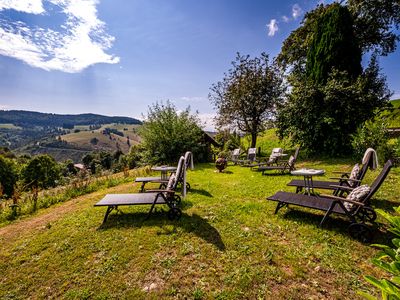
[(253, 139)]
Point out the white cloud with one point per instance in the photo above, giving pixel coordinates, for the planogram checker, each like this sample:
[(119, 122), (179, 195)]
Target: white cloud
[(26, 6), (297, 11), (207, 120), (272, 27), (81, 44), (285, 19), (193, 99)]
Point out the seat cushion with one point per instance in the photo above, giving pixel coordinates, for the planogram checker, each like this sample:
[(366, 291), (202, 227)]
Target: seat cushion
[(358, 194)]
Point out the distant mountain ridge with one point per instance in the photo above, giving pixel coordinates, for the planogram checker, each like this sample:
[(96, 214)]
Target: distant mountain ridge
[(31, 118)]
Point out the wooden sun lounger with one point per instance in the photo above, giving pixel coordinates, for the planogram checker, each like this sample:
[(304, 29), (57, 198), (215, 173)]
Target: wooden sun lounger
[(154, 197), (333, 204), (342, 181), (161, 181)]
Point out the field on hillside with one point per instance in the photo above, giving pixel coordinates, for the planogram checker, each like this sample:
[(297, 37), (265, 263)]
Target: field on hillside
[(227, 245), (110, 142)]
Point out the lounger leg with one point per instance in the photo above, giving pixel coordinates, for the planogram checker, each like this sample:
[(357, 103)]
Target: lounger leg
[(152, 207), (109, 209), (279, 206), (142, 187), (327, 214)]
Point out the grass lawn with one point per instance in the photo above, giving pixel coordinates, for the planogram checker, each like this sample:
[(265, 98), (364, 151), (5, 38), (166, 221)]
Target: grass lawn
[(227, 245)]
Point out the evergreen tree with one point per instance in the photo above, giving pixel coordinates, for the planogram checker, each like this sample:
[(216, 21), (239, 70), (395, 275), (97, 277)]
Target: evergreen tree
[(333, 46)]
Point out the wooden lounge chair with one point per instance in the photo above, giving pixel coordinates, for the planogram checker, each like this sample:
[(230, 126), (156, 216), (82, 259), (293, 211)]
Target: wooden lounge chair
[(282, 167), (235, 156), (154, 197), (163, 182), (344, 180), (274, 157), (359, 213), (251, 158)]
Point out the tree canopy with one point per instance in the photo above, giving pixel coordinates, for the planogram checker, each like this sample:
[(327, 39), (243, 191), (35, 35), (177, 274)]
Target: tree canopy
[(167, 134), (331, 94), (41, 172), (248, 94), (333, 45)]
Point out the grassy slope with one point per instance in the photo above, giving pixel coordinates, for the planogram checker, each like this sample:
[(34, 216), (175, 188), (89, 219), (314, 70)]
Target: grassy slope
[(227, 245), (83, 138), (394, 114)]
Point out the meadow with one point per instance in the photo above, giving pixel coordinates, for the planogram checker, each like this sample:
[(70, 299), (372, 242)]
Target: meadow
[(228, 244)]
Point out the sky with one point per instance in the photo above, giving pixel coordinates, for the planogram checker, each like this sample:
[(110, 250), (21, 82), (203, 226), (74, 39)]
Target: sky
[(118, 57)]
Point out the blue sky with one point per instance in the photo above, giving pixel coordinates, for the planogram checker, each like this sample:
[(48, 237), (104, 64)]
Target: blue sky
[(117, 57)]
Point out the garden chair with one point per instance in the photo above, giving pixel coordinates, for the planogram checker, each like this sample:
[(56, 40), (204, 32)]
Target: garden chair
[(235, 156), (352, 179), (251, 158), (356, 206), (282, 167), (275, 155), (163, 182), (154, 197)]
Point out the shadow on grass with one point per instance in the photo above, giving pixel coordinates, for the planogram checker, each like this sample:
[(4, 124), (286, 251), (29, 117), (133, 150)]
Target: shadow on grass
[(275, 173), (334, 223), (202, 192), (384, 204), (189, 223)]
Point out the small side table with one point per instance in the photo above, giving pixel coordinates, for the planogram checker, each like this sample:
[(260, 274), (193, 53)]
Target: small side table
[(308, 178), (164, 171)]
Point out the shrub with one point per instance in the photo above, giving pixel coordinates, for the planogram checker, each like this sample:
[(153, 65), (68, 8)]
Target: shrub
[(374, 134), (388, 259), (167, 134), (8, 177)]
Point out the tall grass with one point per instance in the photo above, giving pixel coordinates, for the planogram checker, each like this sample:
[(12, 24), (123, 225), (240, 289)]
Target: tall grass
[(77, 187)]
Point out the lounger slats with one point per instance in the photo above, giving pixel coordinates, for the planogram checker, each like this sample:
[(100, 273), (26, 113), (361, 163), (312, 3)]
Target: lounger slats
[(149, 179), (130, 199), (314, 202)]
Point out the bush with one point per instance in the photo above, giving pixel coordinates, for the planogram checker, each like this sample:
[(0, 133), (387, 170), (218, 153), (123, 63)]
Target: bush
[(388, 259), (374, 134), (167, 134), (8, 177)]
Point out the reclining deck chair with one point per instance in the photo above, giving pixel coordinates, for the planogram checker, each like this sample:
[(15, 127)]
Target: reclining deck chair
[(235, 156), (251, 158), (358, 212), (283, 167), (352, 179), (166, 196), (276, 153), (163, 182)]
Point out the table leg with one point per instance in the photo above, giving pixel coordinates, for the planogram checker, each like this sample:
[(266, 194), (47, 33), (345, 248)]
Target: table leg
[(308, 185)]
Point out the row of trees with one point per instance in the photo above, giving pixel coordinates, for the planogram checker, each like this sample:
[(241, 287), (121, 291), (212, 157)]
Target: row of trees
[(331, 94)]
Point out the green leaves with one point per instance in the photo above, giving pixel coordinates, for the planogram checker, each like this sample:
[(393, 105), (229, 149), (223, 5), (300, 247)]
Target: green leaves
[(167, 134), (248, 94), (388, 259)]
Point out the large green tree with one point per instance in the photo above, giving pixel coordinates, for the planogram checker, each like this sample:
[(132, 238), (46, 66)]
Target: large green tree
[(40, 173), (8, 176), (167, 134), (331, 94), (333, 45), (248, 94)]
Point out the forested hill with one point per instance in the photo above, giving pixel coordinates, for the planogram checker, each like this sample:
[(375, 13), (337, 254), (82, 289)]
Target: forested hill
[(30, 118)]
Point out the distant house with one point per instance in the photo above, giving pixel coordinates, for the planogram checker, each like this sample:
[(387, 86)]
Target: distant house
[(80, 167), (209, 140)]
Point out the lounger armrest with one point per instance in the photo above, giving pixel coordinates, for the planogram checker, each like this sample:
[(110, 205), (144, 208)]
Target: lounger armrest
[(342, 199), (342, 187)]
